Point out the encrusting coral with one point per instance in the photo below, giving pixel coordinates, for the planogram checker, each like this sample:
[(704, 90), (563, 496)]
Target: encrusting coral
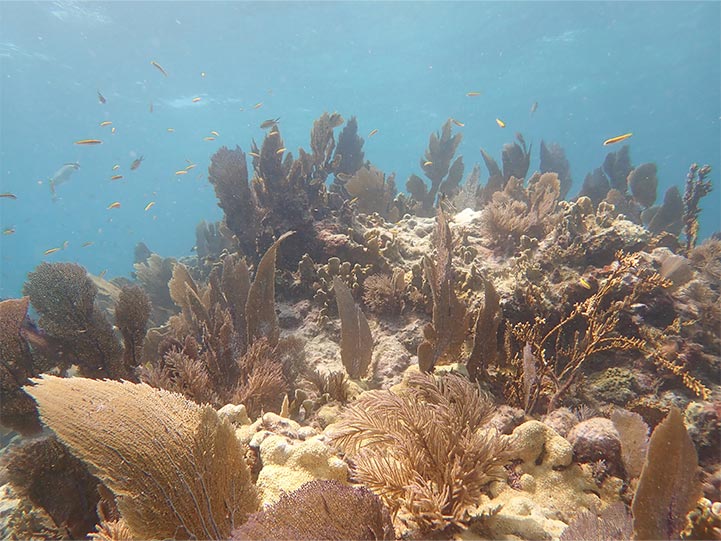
[(176, 470)]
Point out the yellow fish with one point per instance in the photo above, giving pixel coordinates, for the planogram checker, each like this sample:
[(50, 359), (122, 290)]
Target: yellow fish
[(88, 142), (105, 123), (215, 133), (114, 205), (116, 167), (181, 172), (116, 177), (254, 154), (208, 138), (473, 94), (373, 132), (258, 105), (171, 130), (51, 251), (149, 206), (112, 130), (457, 122), (280, 150), (196, 100), (427, 163), (617, 139), (191, 166), (584, 283), (9, 231), (500, 123)]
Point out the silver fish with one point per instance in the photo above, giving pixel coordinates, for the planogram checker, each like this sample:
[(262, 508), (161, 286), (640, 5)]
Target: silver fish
[(61, 176)]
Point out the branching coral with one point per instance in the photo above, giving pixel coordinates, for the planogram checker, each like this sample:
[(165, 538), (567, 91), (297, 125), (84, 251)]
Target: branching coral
[(350, 148), (385, 294), (204, 352), (519, 210), (284, 193), (592, 327), (436, 165), (177, 471), (697, 186), (444, 337), (423, 450), (516, 158)]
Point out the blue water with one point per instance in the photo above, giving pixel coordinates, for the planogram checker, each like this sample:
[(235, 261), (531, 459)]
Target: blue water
[(596, 70)]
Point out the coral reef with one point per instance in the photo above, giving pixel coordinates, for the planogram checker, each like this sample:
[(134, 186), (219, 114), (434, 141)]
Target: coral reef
[(542, 316)]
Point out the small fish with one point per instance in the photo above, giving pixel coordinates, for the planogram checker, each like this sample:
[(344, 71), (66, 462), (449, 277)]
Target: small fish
[(272, 133), (112, 130), (584, 283), (51, 251), (181, 172), (149, 206), (202, 74), (66, 244), (88, 142), (8, 195), (500, 123), (254, 154), (344, 177), (473, 94), (116, 167), (457, 122), (171, 130), (105, 123), (427, 163), (136, 163), (159, 67), (269, 123), (61, 176), (258, 105), (196, 99), (103, 273), (114, 205), (9, 231), (191, 166), (214, 133), (617, 139), (373, 132), (534, 107), (86, 244), (208, 138), (101, 98), (280, 150), (116, 177)]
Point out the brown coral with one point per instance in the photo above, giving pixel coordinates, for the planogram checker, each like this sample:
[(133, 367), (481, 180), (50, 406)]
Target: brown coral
[(321, 510), (64, 297), (177, 470), (420, 448)]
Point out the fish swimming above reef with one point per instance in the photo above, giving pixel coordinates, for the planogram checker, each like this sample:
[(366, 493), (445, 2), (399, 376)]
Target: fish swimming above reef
[(61, 176), (136, 163), (101, 98)]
